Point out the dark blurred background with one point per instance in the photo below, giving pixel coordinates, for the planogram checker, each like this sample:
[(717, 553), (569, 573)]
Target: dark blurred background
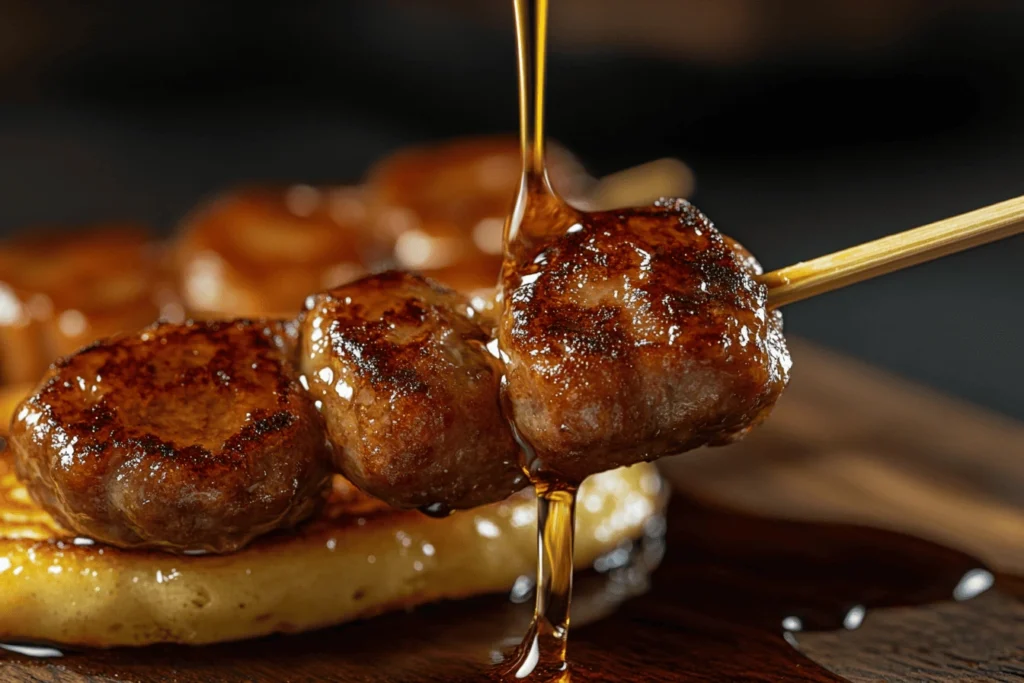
[(811, 125)]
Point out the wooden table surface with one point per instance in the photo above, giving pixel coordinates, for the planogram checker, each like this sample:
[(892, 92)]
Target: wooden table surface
[(844, 540)]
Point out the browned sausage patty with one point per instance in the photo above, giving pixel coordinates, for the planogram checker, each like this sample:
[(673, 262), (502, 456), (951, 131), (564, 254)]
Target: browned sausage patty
[(185, 437), (445, 204), (60, 290), (635, 334), (409, 392), (259, 251)]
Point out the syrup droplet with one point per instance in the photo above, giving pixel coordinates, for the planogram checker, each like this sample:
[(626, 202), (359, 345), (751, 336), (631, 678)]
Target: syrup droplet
[(439, 510), (35, 651)]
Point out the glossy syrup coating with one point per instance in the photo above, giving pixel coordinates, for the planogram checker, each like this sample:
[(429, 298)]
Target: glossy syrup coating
[(410, 393), (60, 290), (445, 204), (259, 251), (634, 334), (187, 437)]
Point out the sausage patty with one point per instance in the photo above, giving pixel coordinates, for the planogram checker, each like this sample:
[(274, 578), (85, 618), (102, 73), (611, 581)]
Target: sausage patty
[(634, 334), (259, 251), (186, 437), (410, 393), (445, 204), (60, 290)]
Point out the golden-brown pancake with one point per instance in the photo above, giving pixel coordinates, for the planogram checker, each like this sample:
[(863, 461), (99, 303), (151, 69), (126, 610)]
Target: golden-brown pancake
[(356, 559)]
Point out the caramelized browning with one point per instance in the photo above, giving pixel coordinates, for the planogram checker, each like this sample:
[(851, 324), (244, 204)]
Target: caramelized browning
[(445, 206), (183, 437), (634, 334), (60, 291), (409, 392), (260, 251)]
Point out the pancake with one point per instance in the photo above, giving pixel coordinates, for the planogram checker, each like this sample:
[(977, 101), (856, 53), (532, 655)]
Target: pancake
[(356, 559)]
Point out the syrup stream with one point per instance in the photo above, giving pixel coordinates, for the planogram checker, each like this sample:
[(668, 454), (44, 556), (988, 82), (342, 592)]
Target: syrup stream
[(534, 187), (542, 652)]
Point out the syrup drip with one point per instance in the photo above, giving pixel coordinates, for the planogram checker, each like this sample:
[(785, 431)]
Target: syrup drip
[(542, 652), (438, 510), (541, 655)]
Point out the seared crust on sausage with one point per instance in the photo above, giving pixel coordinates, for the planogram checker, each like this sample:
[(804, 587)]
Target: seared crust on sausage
[(410, 393), (185, 437), (634, 334)]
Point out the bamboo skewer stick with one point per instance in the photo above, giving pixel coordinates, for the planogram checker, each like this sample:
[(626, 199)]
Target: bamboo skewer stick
[(895, 252)]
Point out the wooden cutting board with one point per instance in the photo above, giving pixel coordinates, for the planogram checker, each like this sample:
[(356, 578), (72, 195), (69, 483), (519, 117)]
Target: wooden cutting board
[(870, 531)]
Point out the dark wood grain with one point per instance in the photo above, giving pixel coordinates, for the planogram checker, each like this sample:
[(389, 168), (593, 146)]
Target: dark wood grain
[(983, 641), (758, 534)]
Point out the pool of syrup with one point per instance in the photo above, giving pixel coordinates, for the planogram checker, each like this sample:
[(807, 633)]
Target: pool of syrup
[(730, 600)]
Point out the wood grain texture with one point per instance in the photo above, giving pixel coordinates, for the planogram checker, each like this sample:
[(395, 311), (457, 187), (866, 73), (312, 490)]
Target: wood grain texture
[(983, 641), (849, 443), (759, 534)]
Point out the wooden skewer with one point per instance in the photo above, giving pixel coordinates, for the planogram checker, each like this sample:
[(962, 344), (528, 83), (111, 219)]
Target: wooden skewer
[(895, 252)]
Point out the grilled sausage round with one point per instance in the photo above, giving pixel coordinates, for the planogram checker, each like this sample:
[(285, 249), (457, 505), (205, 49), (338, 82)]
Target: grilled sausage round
[(259, 251), (410, 393), (634, 334), (189, 437)]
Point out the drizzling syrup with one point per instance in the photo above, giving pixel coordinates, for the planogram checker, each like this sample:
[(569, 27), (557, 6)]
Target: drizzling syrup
[(542, 652)]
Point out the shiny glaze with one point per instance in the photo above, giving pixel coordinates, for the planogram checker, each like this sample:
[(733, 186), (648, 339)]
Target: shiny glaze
[(445, 206), (194, 436), (409, 392), (633, 334), (61, 290), (259, 251)]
